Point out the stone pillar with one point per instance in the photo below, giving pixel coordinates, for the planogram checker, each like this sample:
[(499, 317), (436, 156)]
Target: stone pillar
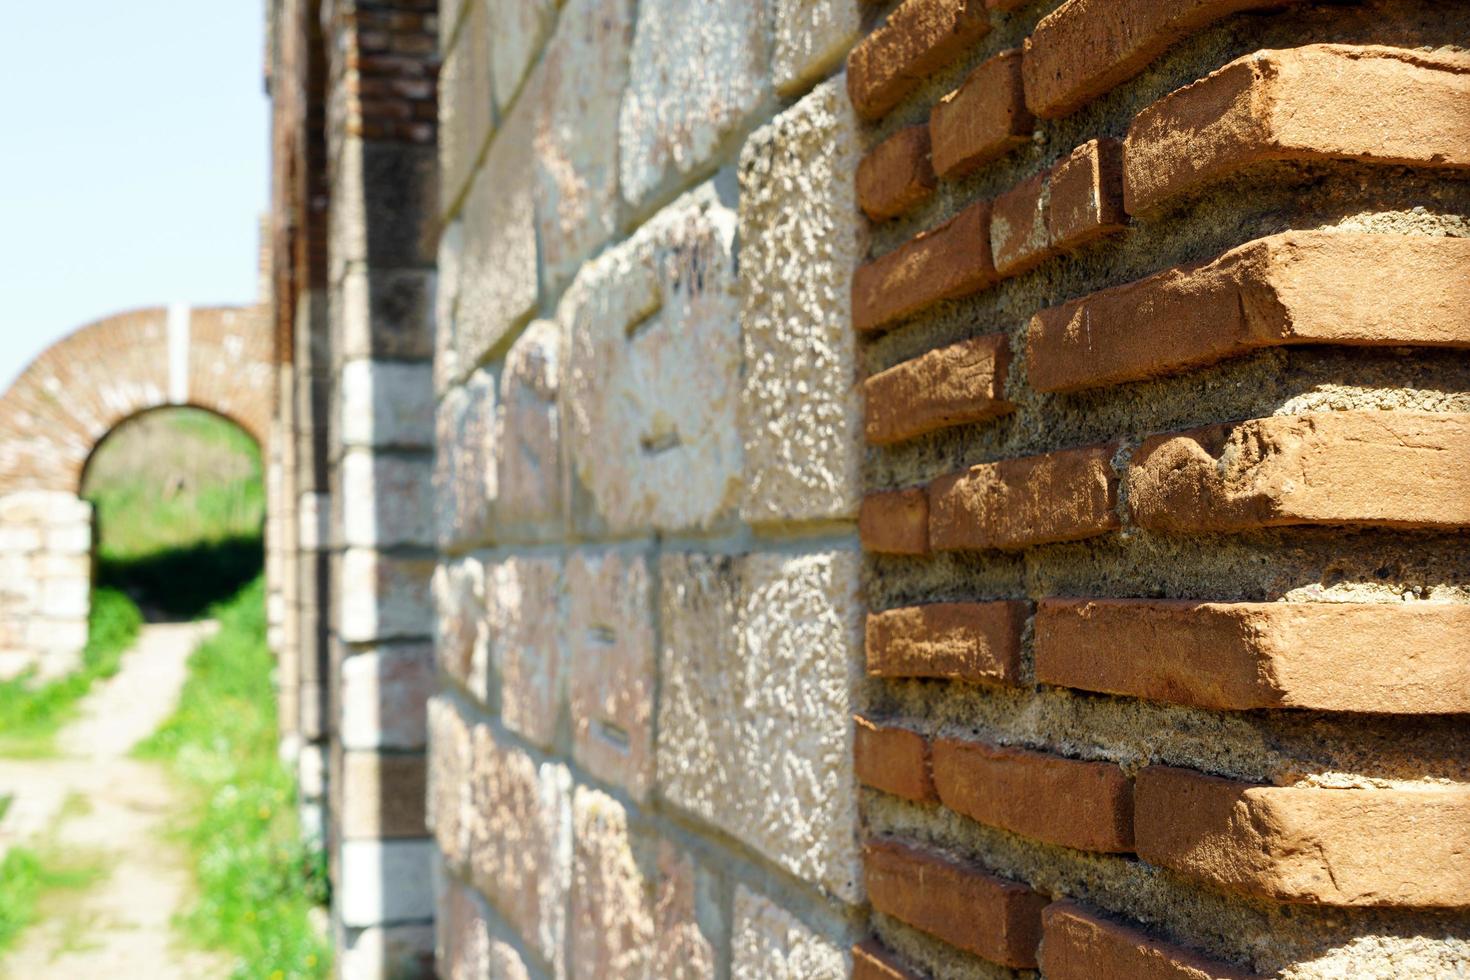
[(45, 582)]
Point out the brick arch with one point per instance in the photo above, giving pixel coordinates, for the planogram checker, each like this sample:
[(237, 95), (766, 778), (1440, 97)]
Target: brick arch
[(83, 386)]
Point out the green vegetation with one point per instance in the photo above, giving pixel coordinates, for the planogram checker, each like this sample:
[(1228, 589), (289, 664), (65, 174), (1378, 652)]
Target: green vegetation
[(27, 876), (257, 881), (31, 714), (180, 506)]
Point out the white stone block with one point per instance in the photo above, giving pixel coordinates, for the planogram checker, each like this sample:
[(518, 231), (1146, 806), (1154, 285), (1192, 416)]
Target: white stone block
[(384, 693), (770, 943), (465, 113), (518, 28), (466, 464), (531, 490), (382, 882), (760, 663), (383, 597), (651, 387), (524, 600), (387, 404), (801, 237), (812, 36), (387, 501)]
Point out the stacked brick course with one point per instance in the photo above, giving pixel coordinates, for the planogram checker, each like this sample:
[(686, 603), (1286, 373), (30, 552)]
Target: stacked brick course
[(1166, 478)]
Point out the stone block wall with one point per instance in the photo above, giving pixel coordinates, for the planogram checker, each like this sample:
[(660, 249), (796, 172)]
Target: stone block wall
[(1163, 334), (45, 581), (649, 623)]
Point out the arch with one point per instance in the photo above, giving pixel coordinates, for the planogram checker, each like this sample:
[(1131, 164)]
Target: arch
[(86, 384), (61, 408)]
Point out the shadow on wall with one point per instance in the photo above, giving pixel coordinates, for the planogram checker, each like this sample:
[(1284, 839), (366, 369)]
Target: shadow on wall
[(180, 507)]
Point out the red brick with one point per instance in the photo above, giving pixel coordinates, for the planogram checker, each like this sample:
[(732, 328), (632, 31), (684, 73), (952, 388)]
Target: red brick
[(1320, 102), (919, 38), (1239, 656), (1085, 47), (991, 917), (969, 641), (947, 262), (1080, 944), (1086, 805), (870, 961), (893, 759), (1015, 503), (964, 382), (1348, 847), (1390, 468), (896, 174), (1300, 287), (983, 119), (895, 522), (1076, 202)]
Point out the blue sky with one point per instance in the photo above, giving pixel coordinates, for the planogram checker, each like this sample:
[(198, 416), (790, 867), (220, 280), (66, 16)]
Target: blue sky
[(133, 162)]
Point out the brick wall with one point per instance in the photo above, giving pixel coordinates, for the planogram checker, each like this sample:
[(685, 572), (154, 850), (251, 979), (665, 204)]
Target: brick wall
[(913, 489), (1167, 471)]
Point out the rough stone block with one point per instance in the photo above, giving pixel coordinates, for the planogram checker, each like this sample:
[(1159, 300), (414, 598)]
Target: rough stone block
[(810, 37), (699, 70), (461, 624), (524, 600), (465, 112), (386, 500), (760, 662), (384, 693), (800, 407), (518, 28), (382, 882), (532, 488), (577, 134), (652, 381), (387, 404), (449, 795), (770, 943), (384, 597), (498, 266), (521, 842), (466, 464), (611, 644)]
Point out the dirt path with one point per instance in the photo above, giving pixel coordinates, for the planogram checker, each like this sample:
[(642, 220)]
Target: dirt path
[(99, 806)]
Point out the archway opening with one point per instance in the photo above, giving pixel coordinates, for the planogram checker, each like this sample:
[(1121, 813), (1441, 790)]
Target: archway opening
[(179, 502)]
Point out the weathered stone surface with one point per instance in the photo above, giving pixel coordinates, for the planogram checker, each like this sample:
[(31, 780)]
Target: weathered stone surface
[(526, 643), (461, 626), (449, 799), (653, 372), (1079, 944), (498, 272), (810, 37), (586, 71), (759, 664), (1348, 847), (770, 943), (521, 841), (611, 644), (447, 366), (466, 464), (532, 491), (384, 693), (384, 597), (682, 948), (699, 69), (386, 500), (612, 915), (801, 235), (1401, 469), (462, 940), (465, 115), (385, 881), (387, 404), (518, 28)]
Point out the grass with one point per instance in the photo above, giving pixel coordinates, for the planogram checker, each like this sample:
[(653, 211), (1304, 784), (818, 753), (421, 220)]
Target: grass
[(31, 714), (258, 881), (180, 505), (28, 875)]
